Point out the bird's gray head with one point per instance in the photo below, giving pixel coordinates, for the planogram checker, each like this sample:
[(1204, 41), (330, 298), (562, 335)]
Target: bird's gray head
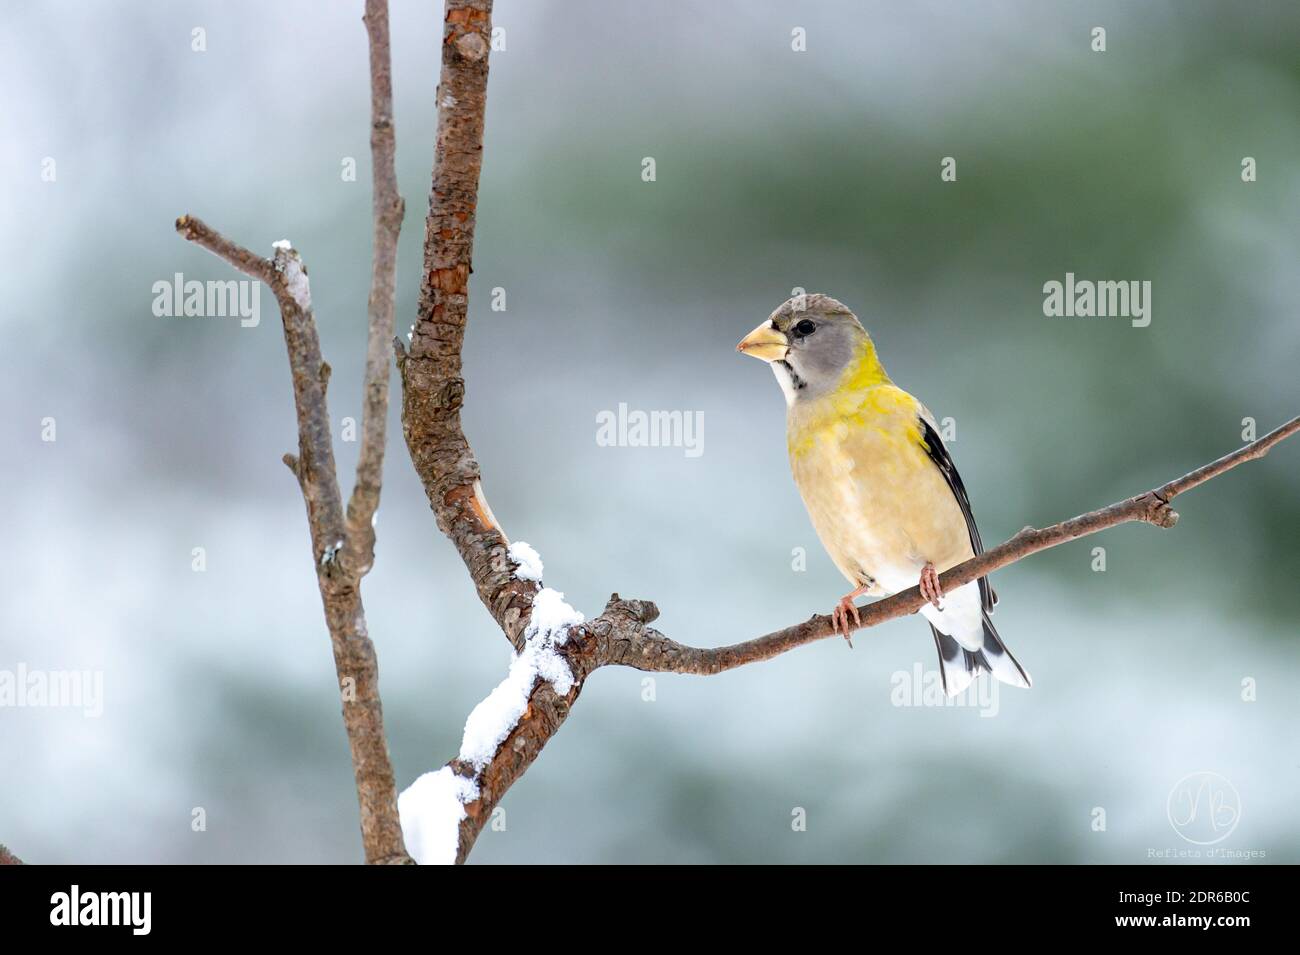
[(810, 342)]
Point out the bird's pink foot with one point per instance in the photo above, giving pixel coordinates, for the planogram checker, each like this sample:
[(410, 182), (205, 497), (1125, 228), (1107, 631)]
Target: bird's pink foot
[(840, 617), (930, 587), (846, 608)]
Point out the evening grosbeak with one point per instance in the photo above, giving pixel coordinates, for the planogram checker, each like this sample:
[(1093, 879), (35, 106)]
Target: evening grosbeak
[(880, 487)]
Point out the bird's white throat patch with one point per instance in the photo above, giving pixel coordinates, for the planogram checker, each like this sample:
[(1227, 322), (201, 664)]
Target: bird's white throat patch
[(785, 378)]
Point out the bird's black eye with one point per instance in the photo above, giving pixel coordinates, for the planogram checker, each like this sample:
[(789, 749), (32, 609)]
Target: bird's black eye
[(805, 328)]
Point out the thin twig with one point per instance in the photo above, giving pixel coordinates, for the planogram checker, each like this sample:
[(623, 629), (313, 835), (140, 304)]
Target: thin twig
[(653, 651), (387, 210), (339, 583)]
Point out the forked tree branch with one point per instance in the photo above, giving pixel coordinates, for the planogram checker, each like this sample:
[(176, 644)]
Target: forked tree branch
[(337, 576), (622, 635), (343, 545)]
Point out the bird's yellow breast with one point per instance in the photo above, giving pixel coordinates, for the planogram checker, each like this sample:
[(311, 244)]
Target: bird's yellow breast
[(878, 502)]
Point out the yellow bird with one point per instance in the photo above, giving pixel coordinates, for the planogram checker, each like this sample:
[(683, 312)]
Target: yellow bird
[(881, 489)]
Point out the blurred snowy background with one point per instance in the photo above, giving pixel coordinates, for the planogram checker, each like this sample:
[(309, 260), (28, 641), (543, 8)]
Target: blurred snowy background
[(775, 169)]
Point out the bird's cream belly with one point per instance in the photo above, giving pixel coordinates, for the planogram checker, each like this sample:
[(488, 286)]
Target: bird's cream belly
[(880, 507)]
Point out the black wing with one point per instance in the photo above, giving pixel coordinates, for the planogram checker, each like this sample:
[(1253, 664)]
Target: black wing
[(943, 460)]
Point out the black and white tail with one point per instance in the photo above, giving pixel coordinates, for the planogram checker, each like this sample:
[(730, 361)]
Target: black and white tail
[(958, 667)]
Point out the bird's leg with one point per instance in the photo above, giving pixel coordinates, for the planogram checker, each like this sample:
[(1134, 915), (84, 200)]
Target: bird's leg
[(930, 587), (846, 606)]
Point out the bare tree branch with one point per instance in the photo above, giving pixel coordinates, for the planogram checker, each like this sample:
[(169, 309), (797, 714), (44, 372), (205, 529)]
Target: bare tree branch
[(338, 578), (344, 547), (433, 392), (650, 650), (388, 209), (432, 387), (622, 636)]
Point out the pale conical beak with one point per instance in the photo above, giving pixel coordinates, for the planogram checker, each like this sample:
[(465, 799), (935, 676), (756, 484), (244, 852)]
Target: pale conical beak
[(765, 342)]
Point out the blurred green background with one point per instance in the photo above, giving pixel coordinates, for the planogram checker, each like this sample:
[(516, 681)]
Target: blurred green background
[(775, 169)]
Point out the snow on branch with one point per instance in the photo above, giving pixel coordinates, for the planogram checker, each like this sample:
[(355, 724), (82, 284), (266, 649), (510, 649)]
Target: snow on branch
[(432, 809), (528, 561), (430, 820), (493, 719)]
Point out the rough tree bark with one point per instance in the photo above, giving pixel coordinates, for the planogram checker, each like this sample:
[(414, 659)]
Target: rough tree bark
[(432, 387)]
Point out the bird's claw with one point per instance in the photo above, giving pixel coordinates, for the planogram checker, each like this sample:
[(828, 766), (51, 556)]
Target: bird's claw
[(840, 617), (930, 587)]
